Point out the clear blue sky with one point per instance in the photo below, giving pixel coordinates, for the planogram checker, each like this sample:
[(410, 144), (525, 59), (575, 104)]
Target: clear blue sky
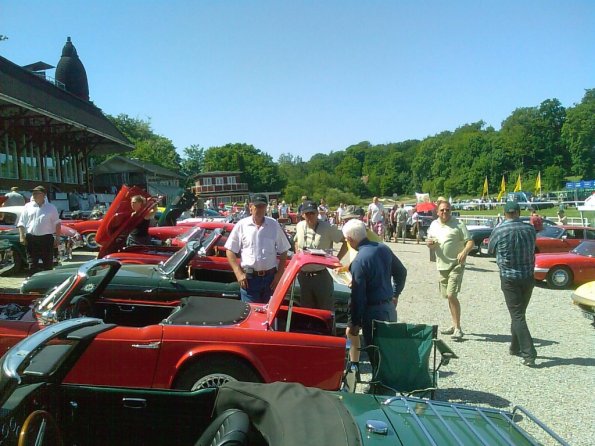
[(307, 77)]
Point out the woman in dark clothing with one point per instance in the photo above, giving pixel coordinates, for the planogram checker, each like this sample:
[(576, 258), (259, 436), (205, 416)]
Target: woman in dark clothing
[(140, 234)]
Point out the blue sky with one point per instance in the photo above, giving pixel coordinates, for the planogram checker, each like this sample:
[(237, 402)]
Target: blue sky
[(307, 77)]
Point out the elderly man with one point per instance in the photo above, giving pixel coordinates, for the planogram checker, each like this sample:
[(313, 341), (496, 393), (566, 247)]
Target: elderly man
[(514, 245), (259, 239), (373, 296), (316, 284), (451, 241), (39, 229)]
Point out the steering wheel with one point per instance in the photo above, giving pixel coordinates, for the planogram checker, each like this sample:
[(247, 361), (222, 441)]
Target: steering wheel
[(35, 428), (82, 307)]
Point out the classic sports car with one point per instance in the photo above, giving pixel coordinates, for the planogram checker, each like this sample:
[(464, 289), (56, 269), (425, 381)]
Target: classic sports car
[(564, 269), (584, 298), (197, 341), (37, 405), (562, 238)]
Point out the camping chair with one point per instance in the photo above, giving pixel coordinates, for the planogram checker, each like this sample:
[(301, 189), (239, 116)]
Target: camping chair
[(404, 358)]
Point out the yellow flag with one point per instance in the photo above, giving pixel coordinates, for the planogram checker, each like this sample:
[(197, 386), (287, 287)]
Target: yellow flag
[(502, 190), (538, 184), (484, 193), (517, 185)]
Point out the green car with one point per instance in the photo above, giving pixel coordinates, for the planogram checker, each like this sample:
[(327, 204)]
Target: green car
[(13, 255), (37, 407)]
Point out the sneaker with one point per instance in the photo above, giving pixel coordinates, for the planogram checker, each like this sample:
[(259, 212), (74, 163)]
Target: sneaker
[(448, 331), (458, 334), (529, 362)]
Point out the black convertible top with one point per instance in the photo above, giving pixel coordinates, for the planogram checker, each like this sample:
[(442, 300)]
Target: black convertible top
[(290, 414), (208, 311)]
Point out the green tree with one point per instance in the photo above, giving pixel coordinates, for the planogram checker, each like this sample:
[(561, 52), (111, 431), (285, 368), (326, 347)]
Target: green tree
[(578, 135), (193, 162)]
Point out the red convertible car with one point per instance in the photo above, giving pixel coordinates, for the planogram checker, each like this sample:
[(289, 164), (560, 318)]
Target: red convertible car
[(562, 238), (192, 343), (563, 269)]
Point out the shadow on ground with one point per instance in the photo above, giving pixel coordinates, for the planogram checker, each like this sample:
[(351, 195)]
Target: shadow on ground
[(468, 396)]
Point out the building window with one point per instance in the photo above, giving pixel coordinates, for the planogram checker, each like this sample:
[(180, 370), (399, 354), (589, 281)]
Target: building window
[(206, 182), (231, 180), (219, 181), (8, 159)]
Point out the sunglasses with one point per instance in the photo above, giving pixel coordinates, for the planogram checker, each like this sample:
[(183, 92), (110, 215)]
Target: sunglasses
[(444, 210)]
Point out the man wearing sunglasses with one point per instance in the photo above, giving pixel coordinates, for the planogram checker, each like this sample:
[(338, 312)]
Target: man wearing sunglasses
[(451, 241)]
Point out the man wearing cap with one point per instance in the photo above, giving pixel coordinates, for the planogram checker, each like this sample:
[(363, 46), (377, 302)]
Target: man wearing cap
[(513, 242), (450, 240), (13, 198), (259, 239), (39, 229), (316, 284)]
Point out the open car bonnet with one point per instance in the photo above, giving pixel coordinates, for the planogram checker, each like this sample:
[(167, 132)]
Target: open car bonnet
[(290, 276), (118, 222)]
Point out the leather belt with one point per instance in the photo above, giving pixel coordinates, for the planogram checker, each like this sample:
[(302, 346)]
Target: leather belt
[(253, 272), (312, 273)]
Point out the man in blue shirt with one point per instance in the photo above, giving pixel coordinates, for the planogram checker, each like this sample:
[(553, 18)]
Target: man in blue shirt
[(373, 296), (514, 244)]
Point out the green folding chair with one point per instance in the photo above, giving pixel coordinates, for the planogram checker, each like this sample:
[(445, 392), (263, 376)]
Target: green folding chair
[(404, 358)]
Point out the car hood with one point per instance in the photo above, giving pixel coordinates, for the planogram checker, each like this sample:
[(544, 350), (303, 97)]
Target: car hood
[(118, 222), (290, 275), (46, 280), (558, 257)]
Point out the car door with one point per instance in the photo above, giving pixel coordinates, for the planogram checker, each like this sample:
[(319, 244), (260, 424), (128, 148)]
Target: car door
[(124, 356)]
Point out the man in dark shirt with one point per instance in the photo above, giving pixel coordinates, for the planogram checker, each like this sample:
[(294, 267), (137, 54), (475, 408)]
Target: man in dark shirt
[(514, 244), (373, 296)]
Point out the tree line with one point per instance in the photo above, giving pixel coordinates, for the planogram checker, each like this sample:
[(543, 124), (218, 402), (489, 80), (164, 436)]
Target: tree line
[(559, 142)]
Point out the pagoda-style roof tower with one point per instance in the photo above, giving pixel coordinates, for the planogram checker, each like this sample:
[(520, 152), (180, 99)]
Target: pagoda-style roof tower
[(71, 72)]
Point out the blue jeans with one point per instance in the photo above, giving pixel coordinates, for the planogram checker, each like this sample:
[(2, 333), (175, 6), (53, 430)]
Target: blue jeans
[(517, 293), (259, 289)]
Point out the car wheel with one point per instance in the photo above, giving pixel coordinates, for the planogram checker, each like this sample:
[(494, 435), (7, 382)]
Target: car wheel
[(214, 372), (12, 260), (559, 277), (90, 242)]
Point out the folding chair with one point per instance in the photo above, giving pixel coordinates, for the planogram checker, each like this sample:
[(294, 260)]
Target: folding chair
[(404, 358)]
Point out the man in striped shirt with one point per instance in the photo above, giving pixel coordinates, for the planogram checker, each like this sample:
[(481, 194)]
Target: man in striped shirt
[(513, 242)]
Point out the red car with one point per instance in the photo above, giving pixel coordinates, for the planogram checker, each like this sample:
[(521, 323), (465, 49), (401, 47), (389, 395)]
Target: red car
[(193, 343), (563, 269), (562, 238)]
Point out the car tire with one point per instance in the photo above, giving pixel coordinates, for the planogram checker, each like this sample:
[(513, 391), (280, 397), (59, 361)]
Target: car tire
[(17, 262), (559, 277), (212, 372), (90, 242)]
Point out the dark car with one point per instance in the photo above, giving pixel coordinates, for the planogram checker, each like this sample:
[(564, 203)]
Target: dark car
[(37, 407)]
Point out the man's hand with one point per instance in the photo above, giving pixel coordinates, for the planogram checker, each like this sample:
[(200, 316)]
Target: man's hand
[(461, 257), (276, 279), (242, 279), (23, 240)]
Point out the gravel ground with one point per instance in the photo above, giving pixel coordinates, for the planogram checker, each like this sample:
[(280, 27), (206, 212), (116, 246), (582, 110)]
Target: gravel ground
[(556, 390)]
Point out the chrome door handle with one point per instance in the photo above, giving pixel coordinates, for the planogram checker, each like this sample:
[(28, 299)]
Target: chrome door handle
[(150, 345)]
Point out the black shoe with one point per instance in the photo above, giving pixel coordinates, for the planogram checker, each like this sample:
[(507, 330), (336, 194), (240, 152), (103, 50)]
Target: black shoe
[(529, 362), (514, 352)]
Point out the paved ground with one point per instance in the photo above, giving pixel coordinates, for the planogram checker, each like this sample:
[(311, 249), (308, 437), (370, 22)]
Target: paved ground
[(559, 390)]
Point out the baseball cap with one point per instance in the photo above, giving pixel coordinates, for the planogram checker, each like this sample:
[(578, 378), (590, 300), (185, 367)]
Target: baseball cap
[(512, 206), (260, 199), (352, 211), (308, 206)]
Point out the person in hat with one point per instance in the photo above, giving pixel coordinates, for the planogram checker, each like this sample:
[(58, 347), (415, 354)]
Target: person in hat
[(258, 239), (316, 284), (13, 198), (513, 242), (39, 229)]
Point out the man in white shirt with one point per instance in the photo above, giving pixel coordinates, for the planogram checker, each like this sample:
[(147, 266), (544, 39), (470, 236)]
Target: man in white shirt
[(376, 217), (39, 229), (259, 239)]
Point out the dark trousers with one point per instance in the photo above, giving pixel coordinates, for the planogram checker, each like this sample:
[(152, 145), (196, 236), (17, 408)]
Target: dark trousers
[(40, 247), (259, 289), (517, 293), (381, 312)]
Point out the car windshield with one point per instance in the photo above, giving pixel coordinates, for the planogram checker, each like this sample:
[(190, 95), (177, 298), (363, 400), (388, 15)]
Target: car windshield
[(194, 233), (586, 249), (53, 297), (551, 231), (201, 247)]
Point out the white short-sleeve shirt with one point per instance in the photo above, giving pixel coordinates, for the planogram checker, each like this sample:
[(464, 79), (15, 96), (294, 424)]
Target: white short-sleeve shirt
[(258, 245), (39, 220)]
